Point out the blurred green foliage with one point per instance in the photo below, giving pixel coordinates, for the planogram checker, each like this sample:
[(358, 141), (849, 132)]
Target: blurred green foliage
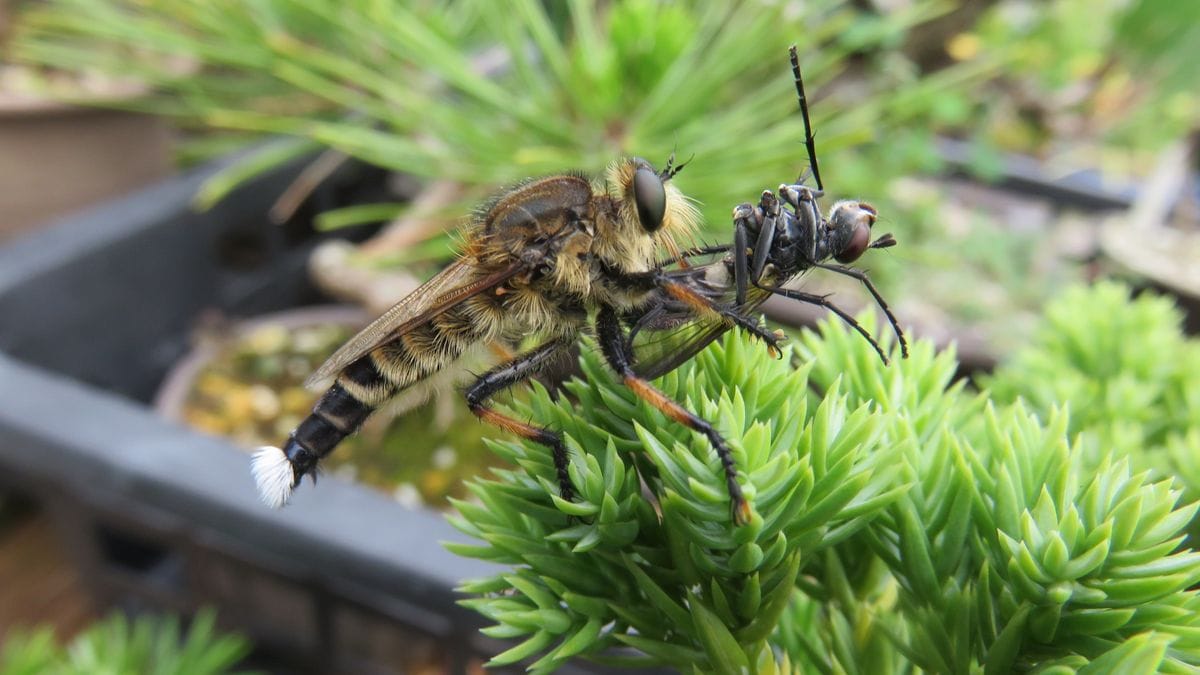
[(1115, 72), (489, 93), (119, 646), (924, 525)]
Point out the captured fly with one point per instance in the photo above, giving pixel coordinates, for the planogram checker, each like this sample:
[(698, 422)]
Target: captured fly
[(774, 242), (540, 259)]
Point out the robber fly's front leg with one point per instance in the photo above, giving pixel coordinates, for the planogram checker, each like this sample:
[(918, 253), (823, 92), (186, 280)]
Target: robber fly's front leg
[(506, 375), (699, 304)]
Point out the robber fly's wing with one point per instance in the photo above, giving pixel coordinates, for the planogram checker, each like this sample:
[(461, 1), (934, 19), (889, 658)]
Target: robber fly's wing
[(448, 288), (658, 352), (670, 334)]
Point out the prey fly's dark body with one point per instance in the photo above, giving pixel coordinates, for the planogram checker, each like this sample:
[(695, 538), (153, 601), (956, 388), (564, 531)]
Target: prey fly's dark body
[(774, 242)]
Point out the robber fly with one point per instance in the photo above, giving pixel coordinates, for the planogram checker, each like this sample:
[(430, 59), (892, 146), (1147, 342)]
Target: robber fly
[(774, 242), (540, 259)]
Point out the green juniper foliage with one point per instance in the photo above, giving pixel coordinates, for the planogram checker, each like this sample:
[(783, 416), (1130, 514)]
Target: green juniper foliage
[(904, 523), (488, 93), (118, 646)]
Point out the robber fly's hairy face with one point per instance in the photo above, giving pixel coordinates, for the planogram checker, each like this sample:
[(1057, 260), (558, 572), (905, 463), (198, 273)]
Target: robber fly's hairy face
[(648, 213)]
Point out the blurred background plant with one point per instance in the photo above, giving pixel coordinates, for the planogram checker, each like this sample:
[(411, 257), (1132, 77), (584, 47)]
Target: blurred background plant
[(470, 95), (146, 645), (485, 95)]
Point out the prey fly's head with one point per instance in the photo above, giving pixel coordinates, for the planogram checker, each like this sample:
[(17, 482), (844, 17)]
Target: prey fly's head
[(848, 231)]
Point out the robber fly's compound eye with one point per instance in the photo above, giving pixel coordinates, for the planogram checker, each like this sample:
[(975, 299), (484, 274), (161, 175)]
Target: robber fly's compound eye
[(650, 197)]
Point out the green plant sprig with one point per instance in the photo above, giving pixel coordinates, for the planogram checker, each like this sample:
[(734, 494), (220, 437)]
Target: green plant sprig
[(671, 577), (117, 644), (1127, 373), (967, 537)]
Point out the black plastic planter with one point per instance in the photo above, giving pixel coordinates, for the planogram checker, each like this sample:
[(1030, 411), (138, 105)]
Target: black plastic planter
[(92, 313)]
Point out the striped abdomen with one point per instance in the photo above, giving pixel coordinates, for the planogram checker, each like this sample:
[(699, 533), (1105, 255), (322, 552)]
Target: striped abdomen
[(379, 375)]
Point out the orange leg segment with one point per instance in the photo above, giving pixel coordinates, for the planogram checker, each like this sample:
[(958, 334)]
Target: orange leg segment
[(614, 346), (507, 374)]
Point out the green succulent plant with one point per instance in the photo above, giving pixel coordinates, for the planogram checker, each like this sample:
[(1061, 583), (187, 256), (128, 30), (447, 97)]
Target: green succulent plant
[(1125, 370), (902, 522), (670, 577)]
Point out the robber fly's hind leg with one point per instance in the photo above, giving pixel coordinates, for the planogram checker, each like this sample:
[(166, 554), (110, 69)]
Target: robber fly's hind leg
[(614, 348), (504, 376), (822, 301), (866, 281)]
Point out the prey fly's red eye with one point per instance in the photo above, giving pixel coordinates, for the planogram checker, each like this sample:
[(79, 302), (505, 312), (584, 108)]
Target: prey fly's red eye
[(857, 245)]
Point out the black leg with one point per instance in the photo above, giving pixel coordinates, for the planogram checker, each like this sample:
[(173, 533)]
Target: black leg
[(770, 210), (613, 345), (822, 301), (866, 281), (504, 376), (741, 271)]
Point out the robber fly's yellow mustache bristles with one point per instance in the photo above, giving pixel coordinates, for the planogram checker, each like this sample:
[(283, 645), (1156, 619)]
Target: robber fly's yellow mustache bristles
[(681, 217)]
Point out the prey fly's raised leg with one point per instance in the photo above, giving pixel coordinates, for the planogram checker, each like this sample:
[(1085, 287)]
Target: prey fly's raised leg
[(506, 375), (866, 281), (616, 352), (822, 301)]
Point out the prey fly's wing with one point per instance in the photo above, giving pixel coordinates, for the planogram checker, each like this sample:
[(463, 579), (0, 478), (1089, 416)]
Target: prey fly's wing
[(671, 332), (446, 289)]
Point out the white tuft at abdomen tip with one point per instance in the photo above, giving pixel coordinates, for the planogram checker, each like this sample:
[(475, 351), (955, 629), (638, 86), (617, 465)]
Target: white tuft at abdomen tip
[(273, 474)]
